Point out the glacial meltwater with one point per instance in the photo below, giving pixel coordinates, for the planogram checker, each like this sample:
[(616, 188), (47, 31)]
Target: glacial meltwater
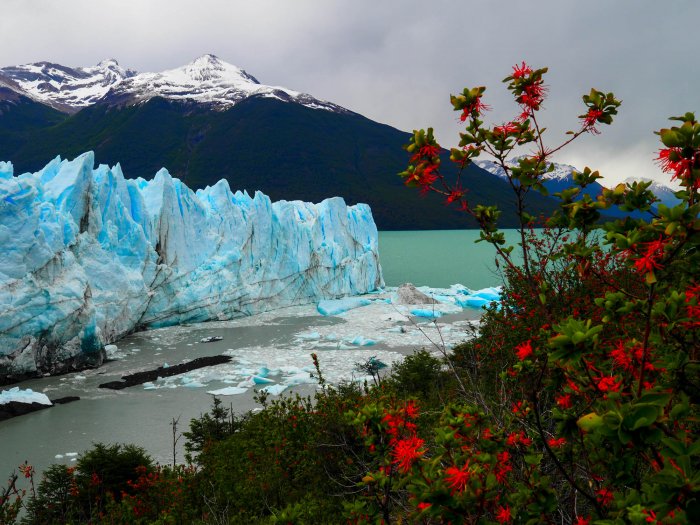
[(269, 351)]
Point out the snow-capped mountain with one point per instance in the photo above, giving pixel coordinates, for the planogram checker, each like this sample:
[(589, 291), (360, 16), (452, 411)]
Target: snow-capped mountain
[(66, 88), (562, 172), (207, 81), (561, 178)]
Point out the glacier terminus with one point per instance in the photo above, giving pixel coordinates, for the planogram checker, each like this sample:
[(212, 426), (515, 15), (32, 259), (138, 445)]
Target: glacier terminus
[(88, 256)]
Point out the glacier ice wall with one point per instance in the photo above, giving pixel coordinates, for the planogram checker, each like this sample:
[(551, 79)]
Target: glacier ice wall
[(87, 256)]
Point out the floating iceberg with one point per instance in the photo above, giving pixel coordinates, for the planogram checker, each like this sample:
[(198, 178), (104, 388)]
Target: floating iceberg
[(339, 306), (430, 313), (15, 395), (87, 256)]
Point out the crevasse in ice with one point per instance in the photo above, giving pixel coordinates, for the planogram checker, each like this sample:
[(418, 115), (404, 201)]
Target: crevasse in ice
[(87, 256)]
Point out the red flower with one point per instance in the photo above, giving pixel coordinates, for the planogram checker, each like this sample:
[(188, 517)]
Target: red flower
[(582, 521), (509, 128), (504, 515), (406, 452), (427, 175), (521, 71), (475, 108), (605, 496), (589, 120), (423, 506), (621, 357), (692, 294), (426, 152), (532, 96), (649, 261), (518, 437), (650, 516), (672, 160), (429, 150), (564, 401), (608, 384), (518, 408), (411, 409), (524, 350), (457, 478), (455, 195), (503, 466), (556, 442), (27, 470)]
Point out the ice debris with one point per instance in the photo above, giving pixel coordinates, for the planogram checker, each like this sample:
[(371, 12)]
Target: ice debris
[(228, 391), (211, 339)]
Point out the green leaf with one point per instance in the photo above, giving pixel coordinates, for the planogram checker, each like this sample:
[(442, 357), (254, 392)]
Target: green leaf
[(590, 422)]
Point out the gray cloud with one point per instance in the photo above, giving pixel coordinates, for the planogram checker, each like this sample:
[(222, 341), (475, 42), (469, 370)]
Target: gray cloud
[(398, 61)]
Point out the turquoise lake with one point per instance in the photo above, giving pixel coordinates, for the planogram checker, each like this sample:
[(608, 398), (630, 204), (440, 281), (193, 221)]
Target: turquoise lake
[(439, 258)]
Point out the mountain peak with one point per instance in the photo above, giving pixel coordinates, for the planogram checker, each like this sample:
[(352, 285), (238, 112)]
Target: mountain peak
[(107, 63), (210, 68)]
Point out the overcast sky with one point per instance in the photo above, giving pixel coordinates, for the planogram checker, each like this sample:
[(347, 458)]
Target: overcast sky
[(397, 61)]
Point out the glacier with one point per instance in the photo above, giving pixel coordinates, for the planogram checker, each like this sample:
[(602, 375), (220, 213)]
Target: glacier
[(88, 256)]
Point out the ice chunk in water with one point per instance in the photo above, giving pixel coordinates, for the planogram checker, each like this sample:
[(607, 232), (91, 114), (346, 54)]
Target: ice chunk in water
[(338, 306)]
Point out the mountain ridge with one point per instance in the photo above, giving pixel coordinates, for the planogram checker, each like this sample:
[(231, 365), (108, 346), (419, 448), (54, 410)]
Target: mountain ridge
[(207, 80)]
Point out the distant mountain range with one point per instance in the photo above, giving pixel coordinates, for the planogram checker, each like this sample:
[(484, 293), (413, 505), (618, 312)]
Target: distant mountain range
[(562, 177), (209, 120)]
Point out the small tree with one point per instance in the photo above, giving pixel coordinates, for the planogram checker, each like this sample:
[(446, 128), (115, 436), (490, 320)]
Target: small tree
[(589, 414)]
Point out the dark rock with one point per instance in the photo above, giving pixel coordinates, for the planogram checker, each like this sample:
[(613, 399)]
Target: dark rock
[(65, 400), (151, 375), (17, 408)]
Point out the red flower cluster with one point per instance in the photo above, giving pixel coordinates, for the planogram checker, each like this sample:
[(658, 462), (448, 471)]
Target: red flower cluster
[(649, 260), (604, 496), (564, 401), (518, 438), (531, 89), (26, 469), (692, 306), (521, 71), (504, 514), (589, 120), (475, 108), (457, 477), (524, 350), (503, 467), (509, 128), (680, 164), (406, 452), (556, 442), (608, 383)]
